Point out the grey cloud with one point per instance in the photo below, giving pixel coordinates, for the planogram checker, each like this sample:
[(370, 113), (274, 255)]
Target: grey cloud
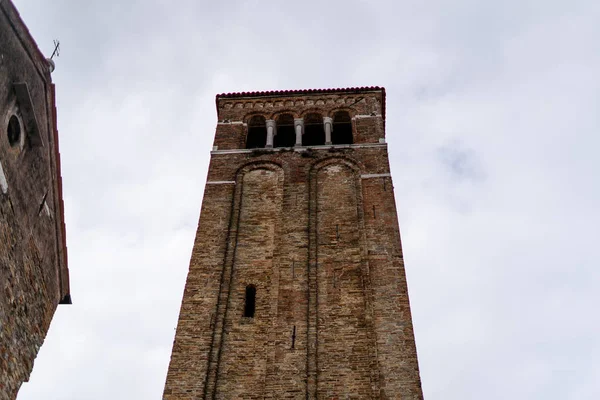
[(461, 163)]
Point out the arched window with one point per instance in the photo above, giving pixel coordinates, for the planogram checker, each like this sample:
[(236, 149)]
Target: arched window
[(250, 304), (314, 130), (342, 128), (14, 131), (285, 137), (257, 133)]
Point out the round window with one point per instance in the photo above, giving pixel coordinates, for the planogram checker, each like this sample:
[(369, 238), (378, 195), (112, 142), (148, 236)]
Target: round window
[(14, 131)]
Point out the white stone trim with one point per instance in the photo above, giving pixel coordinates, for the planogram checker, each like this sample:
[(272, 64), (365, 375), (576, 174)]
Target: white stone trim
[(301, 148), (367, 176), (231, 123), (220, 182), (238, 151), (366, 116), (3, 181)]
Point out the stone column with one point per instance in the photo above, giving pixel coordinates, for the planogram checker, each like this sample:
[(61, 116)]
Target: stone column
[(328, 122), (299, 126), (270, 132)]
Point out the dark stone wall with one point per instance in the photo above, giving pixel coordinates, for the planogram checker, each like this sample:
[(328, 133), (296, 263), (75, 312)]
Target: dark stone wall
[(33, 276)]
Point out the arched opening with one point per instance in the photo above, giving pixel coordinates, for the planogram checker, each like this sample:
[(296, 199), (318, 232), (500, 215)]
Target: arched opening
[(250, 303), (314, 130), (342, 128), (257, 133), (14, 131), (286, 136)]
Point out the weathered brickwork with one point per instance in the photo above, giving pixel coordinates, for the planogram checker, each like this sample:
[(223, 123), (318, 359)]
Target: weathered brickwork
[(234, 113), (345, 346), (33, 269), (315, 231)]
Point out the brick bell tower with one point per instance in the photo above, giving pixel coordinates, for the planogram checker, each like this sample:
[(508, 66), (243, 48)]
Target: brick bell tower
[(296, 287)]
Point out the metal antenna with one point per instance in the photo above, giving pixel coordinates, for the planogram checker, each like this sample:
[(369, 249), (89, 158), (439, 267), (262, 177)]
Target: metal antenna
[(56, 51)]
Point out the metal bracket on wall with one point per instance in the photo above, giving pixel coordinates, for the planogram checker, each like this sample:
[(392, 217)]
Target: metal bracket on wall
[(28, 114)]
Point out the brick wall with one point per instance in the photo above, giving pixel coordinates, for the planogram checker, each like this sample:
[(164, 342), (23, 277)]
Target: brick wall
[(33, 276), (364, 108), (315, 230)]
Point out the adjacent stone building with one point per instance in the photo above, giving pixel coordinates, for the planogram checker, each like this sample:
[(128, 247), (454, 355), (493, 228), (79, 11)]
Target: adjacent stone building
[(296, 287), (33, 258)]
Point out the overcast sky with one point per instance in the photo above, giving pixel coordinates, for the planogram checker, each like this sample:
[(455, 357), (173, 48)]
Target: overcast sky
[(493, 129)]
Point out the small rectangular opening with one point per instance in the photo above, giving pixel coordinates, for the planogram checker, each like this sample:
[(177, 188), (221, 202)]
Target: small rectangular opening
[(250, 304)]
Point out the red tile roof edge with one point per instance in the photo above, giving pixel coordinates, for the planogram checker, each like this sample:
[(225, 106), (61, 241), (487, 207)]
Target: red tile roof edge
[(305, 91), (64, 273)]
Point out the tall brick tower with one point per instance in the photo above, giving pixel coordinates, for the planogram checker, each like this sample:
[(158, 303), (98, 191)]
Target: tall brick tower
[(296, 287)]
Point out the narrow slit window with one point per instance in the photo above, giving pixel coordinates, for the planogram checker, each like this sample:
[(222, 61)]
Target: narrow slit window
[(250, 304)]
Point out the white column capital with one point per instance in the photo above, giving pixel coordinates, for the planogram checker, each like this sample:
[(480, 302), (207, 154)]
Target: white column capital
[(328, 122), (270, 123), (299, 127)]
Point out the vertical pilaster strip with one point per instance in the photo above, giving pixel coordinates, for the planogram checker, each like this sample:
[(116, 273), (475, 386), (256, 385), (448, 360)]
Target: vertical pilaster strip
[(311, 293), (224, 291), (346, 348)]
